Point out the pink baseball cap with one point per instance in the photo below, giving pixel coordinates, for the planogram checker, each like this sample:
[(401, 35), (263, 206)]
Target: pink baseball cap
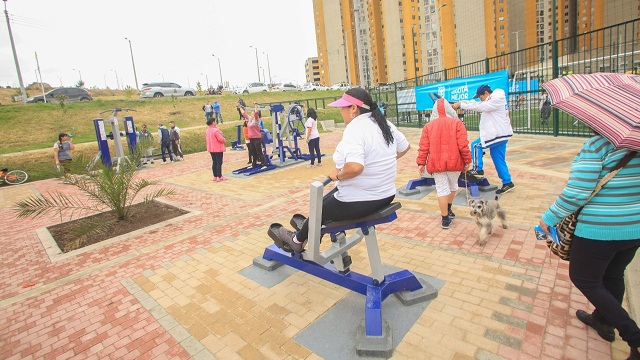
[(348, 100)]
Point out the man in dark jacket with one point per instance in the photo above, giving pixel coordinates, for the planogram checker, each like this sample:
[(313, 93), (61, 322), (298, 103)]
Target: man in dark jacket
[(165, 142)]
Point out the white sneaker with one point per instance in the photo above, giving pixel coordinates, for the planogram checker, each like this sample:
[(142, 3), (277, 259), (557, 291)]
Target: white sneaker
[(164, 163)]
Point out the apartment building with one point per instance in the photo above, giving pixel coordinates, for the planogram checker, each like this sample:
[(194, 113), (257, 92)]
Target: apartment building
[(312, 70), (368, 42)]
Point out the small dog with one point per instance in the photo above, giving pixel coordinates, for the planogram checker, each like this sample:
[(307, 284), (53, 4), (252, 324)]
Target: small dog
[(484, 211)]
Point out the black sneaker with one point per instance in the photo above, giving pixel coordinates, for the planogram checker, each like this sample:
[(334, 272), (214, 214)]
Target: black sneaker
[(505, 188), (476, 172), (446, 223), (451, 215), (605, 331)]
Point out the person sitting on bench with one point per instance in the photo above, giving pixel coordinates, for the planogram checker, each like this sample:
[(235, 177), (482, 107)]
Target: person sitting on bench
[(366, 166)]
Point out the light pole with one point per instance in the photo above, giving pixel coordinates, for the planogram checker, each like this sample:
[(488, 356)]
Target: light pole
[(517, 46), (206, 77), (135, 76), (261, 68), (105, 80), (415, 60), (117, 82), (269, 68), (79, 75), (60, 78), (219, 69), (15, 56), (257, 62)]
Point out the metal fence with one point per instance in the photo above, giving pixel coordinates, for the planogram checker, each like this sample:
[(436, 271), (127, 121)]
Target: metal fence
[(612, 49)]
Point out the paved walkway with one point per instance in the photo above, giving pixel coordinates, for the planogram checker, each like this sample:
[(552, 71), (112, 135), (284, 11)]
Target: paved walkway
[(175, 290)]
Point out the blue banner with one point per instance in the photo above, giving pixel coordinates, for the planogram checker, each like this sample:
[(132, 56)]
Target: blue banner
[(460, 89)]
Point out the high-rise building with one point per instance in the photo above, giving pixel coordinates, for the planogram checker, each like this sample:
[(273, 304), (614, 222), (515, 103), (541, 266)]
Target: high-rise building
[(312, 70), (367, 42)]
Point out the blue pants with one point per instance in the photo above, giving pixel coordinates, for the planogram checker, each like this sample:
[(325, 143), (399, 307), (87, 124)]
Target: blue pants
[(166, 147), (219, 118), (498, 153), (208, 115)]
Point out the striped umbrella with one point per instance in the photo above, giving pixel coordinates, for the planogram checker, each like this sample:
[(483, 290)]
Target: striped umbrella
[(609, 103)]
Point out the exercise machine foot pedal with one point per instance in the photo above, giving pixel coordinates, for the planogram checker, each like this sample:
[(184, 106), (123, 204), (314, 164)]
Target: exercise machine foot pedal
[(274, 230), (297, 220)]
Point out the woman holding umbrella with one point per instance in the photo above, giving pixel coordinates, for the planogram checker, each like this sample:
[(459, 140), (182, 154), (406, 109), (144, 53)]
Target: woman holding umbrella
[(607, 234)]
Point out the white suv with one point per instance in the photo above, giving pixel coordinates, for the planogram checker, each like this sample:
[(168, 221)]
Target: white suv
[(163, 89), (313, 87), (253, 88)]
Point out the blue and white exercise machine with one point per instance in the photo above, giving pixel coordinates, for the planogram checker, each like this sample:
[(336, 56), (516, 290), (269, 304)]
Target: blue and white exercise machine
[(101, 135), (374, 335), (235, 145)]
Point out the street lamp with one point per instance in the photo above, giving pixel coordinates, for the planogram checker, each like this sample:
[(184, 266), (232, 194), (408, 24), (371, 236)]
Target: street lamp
[(117, 82), (257, 62), (219, 69), (206, 77), (517, 46), (79, 74), (135, 76), (261, 68), (415, 60), (268, 67)]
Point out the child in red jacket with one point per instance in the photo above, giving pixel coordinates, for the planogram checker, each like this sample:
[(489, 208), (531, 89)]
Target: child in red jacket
[(444, 149)]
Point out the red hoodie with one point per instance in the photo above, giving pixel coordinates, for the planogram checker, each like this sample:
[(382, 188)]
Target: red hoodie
[(444, 145)]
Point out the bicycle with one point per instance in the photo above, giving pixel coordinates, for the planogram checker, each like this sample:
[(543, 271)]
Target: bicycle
[(13, 177)]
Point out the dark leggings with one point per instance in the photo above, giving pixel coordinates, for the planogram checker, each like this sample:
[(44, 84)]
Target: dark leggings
[(314, 146), (257, 151), (336, 210), (596, 268), (216, 163)]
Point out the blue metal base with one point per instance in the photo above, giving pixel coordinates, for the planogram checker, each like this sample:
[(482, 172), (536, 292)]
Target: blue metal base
[(251, 170), (376, 294), (420, 182)]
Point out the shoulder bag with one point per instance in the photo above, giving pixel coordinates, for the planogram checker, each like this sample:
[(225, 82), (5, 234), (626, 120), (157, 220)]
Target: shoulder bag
[(567, 226)]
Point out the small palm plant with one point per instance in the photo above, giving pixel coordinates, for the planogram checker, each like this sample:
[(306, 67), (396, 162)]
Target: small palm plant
[(101, 188)]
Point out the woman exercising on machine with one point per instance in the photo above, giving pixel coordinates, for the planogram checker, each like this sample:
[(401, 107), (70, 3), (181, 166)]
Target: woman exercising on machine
[(366, 166)]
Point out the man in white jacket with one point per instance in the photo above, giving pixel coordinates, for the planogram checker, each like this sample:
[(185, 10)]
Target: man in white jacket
[(495, 131)]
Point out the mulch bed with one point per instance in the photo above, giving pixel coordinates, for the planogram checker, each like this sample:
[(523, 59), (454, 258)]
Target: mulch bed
[(143, 215)]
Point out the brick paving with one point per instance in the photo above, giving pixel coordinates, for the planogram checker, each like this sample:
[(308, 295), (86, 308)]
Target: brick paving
[(176, 292)]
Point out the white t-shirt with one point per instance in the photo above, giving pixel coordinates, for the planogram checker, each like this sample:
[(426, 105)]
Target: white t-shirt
[(313, 125), (362, 142)]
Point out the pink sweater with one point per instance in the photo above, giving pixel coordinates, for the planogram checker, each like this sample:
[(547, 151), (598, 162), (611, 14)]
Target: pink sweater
[(215, 140)]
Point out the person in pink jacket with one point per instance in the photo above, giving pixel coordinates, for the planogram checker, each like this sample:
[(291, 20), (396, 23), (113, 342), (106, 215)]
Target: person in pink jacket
[(444, 149), (215, 147)]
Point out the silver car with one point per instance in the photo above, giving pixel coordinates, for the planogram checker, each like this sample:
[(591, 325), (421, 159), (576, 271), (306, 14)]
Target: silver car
[(163, 89)]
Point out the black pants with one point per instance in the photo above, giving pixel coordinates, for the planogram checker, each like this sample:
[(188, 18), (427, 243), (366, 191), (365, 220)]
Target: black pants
[(166, 146), (258, 155), (314, 146), (175, 146), (336, 210), (596, 268), (216, 163)]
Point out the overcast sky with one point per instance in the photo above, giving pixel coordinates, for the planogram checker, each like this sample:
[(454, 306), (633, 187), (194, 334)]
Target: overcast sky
[(171, 40)]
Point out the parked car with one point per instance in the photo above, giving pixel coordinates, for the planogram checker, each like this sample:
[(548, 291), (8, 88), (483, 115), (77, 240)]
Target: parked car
[(162, 89), (70, 94), (313, 87), (340, 86), (253, 88), (288, 87)]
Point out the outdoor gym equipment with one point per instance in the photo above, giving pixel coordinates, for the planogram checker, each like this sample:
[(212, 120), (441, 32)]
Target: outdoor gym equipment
[(103, 145), (289, 131), (235, 145), (374, 336)]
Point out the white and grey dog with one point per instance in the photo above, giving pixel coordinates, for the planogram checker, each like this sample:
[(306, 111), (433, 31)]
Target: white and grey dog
[(484, 211)]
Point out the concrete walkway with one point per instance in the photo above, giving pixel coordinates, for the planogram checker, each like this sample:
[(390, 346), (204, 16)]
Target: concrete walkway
[(177, 290)]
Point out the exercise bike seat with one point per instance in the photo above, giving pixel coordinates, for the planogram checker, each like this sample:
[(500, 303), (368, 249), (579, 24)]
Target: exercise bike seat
[(384, 215)]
